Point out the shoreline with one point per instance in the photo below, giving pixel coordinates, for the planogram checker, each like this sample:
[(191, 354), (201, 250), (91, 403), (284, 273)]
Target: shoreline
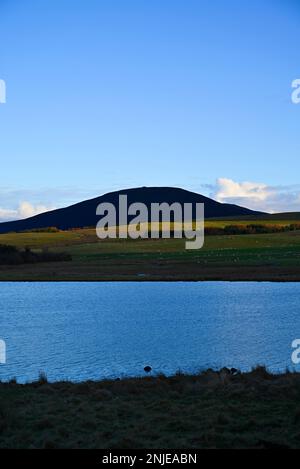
[(162, 280), (142, 272), (279, 278)]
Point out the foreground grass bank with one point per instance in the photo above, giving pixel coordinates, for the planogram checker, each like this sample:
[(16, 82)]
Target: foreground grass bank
[(209, 410)]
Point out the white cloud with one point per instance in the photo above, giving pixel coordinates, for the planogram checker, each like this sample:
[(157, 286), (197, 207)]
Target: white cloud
[(227, 189), (257, 196), (25, 210), (41, 200)]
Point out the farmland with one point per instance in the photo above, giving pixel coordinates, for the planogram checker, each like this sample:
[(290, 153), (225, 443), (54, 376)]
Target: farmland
[(273, 256)]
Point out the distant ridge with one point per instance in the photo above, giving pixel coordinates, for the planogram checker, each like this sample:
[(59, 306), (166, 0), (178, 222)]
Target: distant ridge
[(83, 214)]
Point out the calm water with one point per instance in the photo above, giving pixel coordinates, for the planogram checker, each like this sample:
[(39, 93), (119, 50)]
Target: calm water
[(93, 330)]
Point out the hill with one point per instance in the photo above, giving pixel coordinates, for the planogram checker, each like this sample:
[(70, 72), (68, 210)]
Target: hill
[(83, 214)]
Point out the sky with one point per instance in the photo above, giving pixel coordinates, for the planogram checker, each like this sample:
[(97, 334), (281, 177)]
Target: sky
[(109, 94)]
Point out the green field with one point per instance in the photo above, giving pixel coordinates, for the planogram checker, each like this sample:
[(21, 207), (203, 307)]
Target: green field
[(273, 256)]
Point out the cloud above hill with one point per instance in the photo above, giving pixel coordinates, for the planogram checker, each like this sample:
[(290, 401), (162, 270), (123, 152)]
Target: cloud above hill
[(24, 210), (257, 196), (229, 189), (16, 204)]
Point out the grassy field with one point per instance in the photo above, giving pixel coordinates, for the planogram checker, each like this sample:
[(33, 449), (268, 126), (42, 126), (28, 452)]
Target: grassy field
[(236, 257), (209, 410)]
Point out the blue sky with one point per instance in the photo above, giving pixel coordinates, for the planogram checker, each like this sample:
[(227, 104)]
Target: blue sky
[(107, 94)]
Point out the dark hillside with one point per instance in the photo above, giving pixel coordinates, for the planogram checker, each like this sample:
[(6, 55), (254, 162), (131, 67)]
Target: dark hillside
[(83, 214)]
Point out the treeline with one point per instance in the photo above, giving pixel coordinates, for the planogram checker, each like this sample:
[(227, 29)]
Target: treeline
[(10, 255), (250, 229), (233, 229), (48, 229), (240, 230)]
